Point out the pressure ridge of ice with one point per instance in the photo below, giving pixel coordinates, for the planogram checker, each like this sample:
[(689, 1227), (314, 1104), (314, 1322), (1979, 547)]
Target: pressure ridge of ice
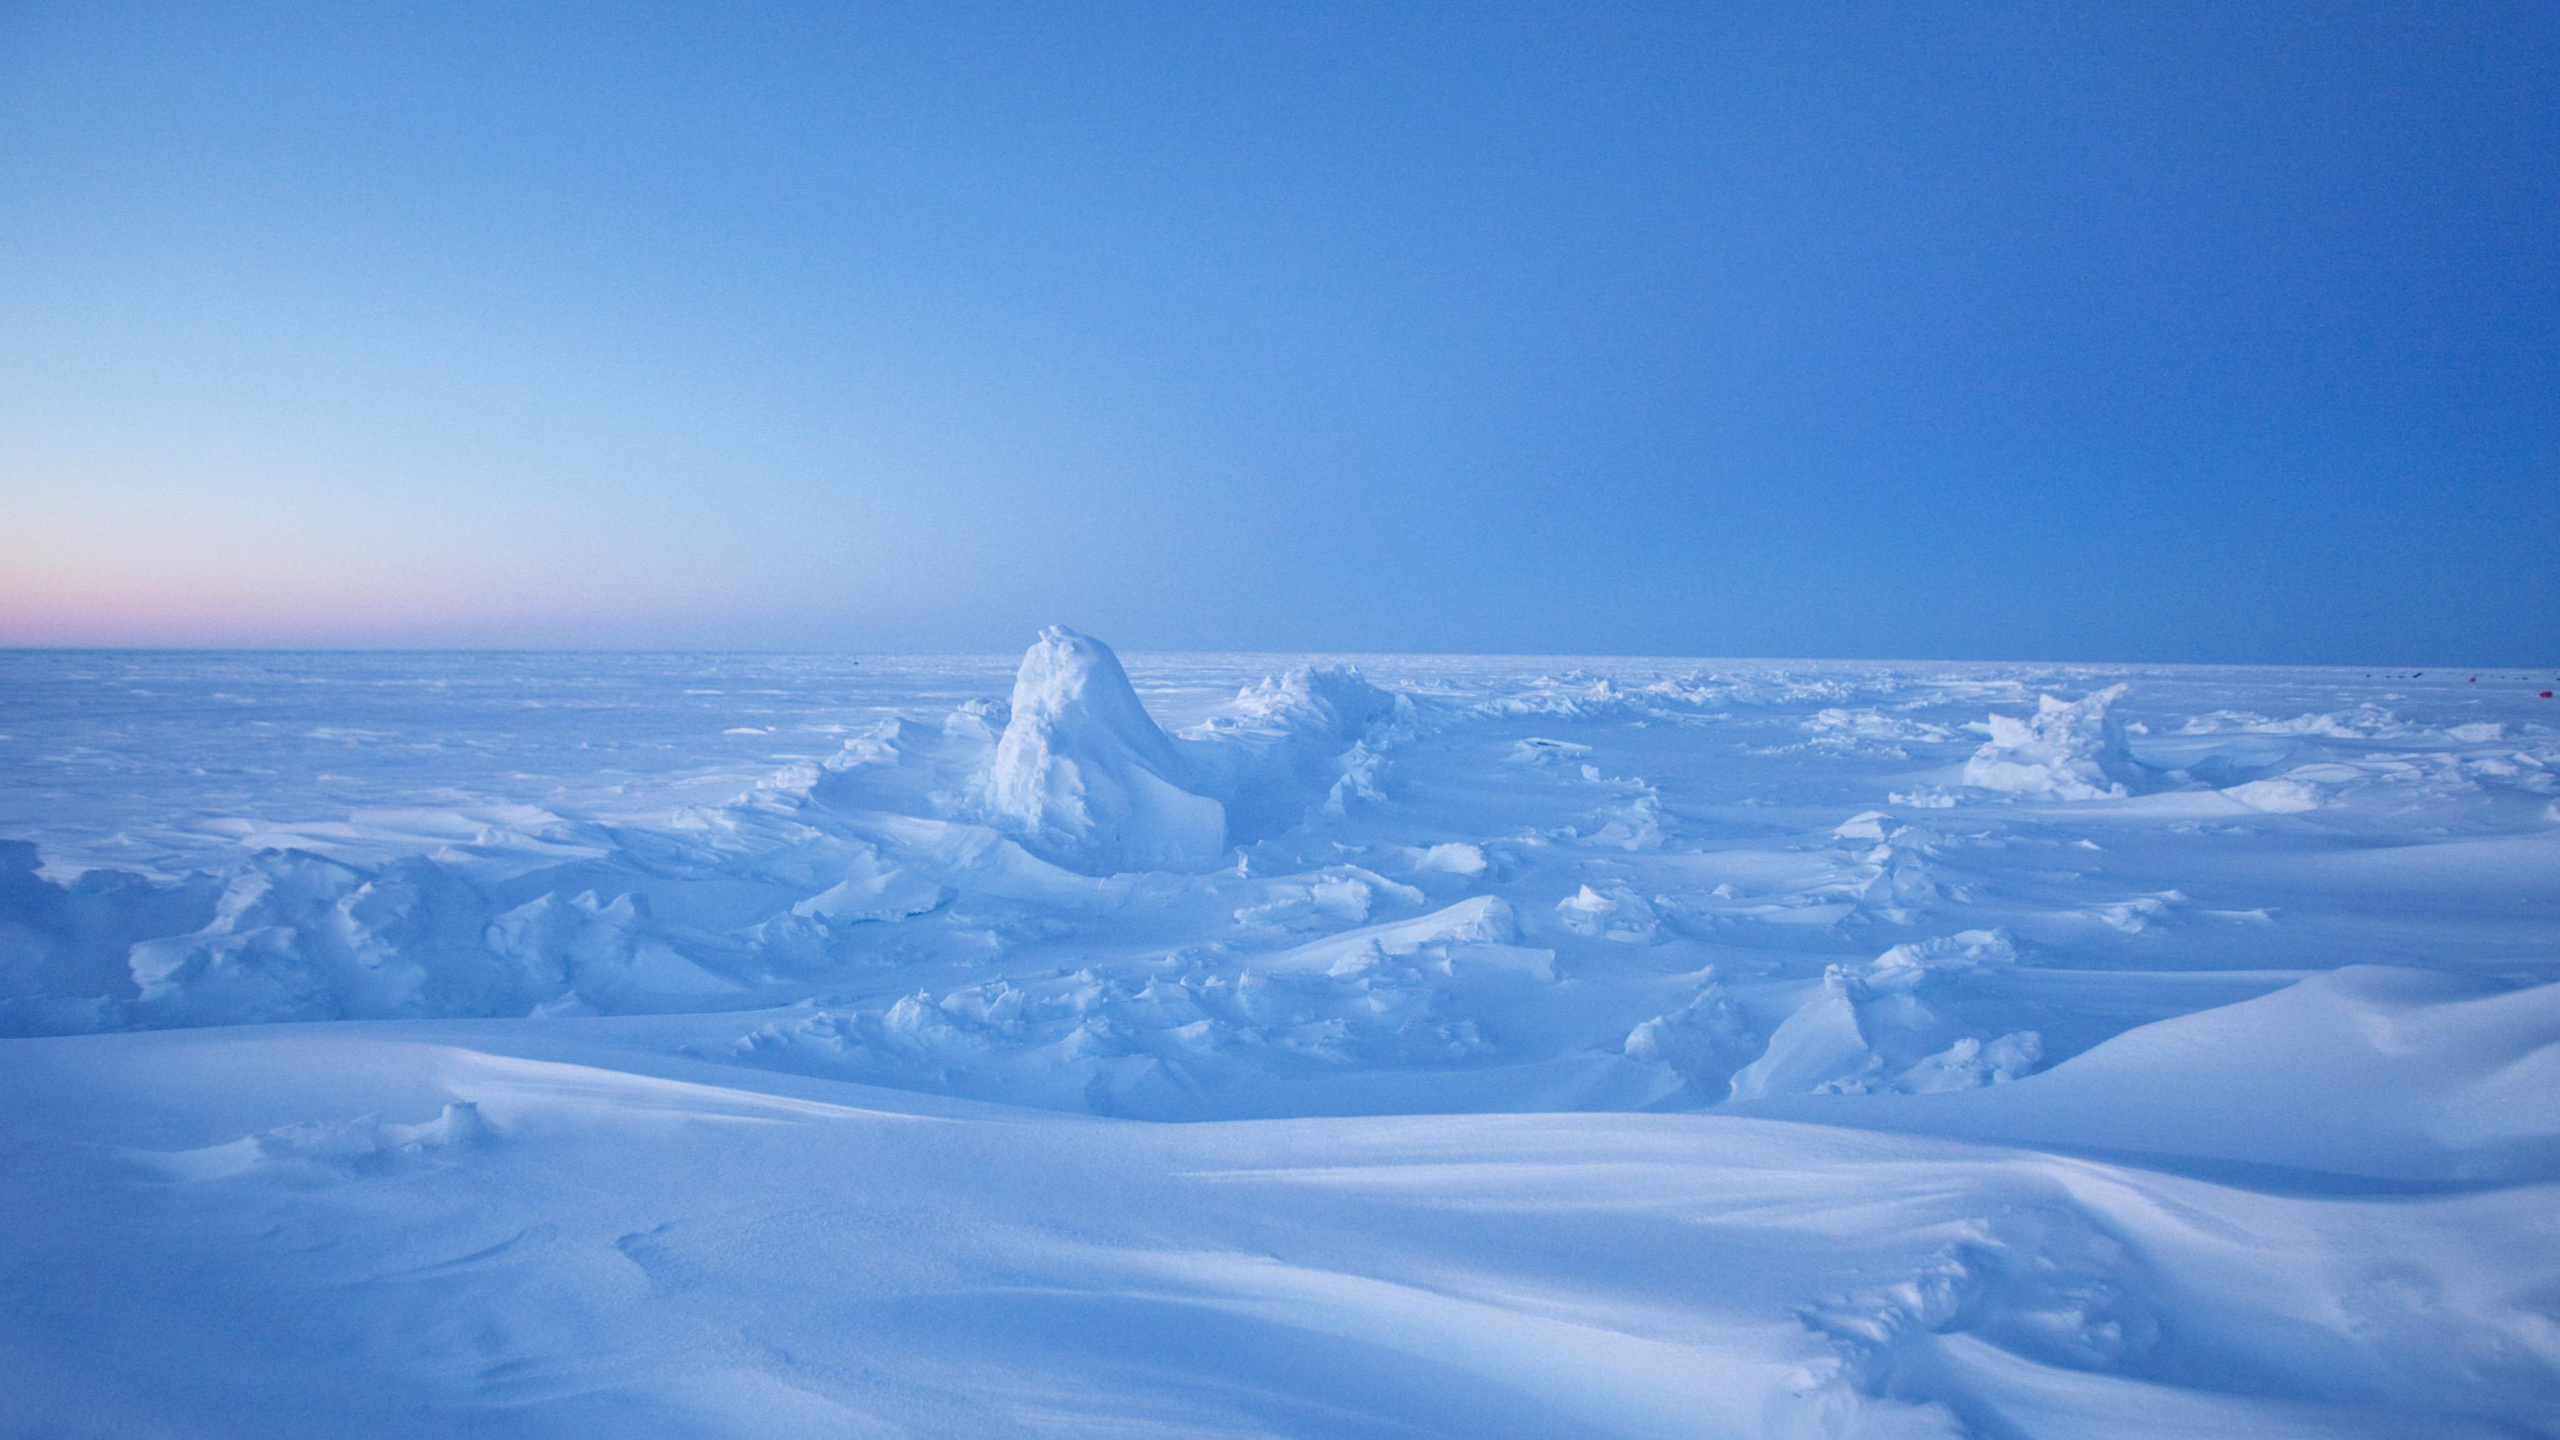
[(711, 1045), (1084, 776)]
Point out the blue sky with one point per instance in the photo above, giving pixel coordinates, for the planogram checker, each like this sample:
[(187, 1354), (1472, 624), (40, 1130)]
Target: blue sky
[(2215, 332)]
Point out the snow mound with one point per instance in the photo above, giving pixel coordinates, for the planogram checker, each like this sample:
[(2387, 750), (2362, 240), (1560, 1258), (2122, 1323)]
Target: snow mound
[(2366, 1070), (1314, 730), (2276, 797), (361, 1145), (1702, 1043), (1616, 913), (1084, 777), (1479, 933), (2058, 754), (1900, 1022), (1197, 1033), (1867, 731)]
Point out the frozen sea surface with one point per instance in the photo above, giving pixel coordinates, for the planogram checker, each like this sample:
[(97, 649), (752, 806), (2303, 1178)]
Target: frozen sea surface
[(710, 1045)]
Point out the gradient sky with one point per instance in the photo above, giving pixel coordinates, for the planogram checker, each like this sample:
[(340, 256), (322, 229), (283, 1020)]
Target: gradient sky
[(2214, 332)]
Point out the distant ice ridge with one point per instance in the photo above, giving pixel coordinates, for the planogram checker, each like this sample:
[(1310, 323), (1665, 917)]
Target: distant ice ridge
[(1038, 811), (1298, 892)]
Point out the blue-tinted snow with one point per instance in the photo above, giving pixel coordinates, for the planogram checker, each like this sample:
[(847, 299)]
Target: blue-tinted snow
[(525, 1044)]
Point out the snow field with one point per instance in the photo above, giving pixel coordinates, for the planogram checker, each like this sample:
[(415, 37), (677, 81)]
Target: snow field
[(1590, 1047)]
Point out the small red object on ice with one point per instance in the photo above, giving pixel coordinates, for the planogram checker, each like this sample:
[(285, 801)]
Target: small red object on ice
[(2546, 694)]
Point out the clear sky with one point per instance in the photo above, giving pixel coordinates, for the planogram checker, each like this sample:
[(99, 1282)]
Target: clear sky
[(2138, 332)]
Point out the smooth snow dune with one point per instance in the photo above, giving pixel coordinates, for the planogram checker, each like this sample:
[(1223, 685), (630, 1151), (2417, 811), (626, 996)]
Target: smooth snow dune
[(666, 1255), (2367, 1071)]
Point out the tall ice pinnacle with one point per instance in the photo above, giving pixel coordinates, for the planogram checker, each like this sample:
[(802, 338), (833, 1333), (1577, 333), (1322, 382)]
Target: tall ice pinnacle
[(1084, 776)]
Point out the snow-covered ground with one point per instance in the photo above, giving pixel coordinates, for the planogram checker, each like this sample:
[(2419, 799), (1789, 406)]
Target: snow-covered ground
[(714, 1045)]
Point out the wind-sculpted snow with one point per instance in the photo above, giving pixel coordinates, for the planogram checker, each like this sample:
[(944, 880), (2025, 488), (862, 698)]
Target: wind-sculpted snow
[(1084, 776), (747, 1045), (2058, 753)]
